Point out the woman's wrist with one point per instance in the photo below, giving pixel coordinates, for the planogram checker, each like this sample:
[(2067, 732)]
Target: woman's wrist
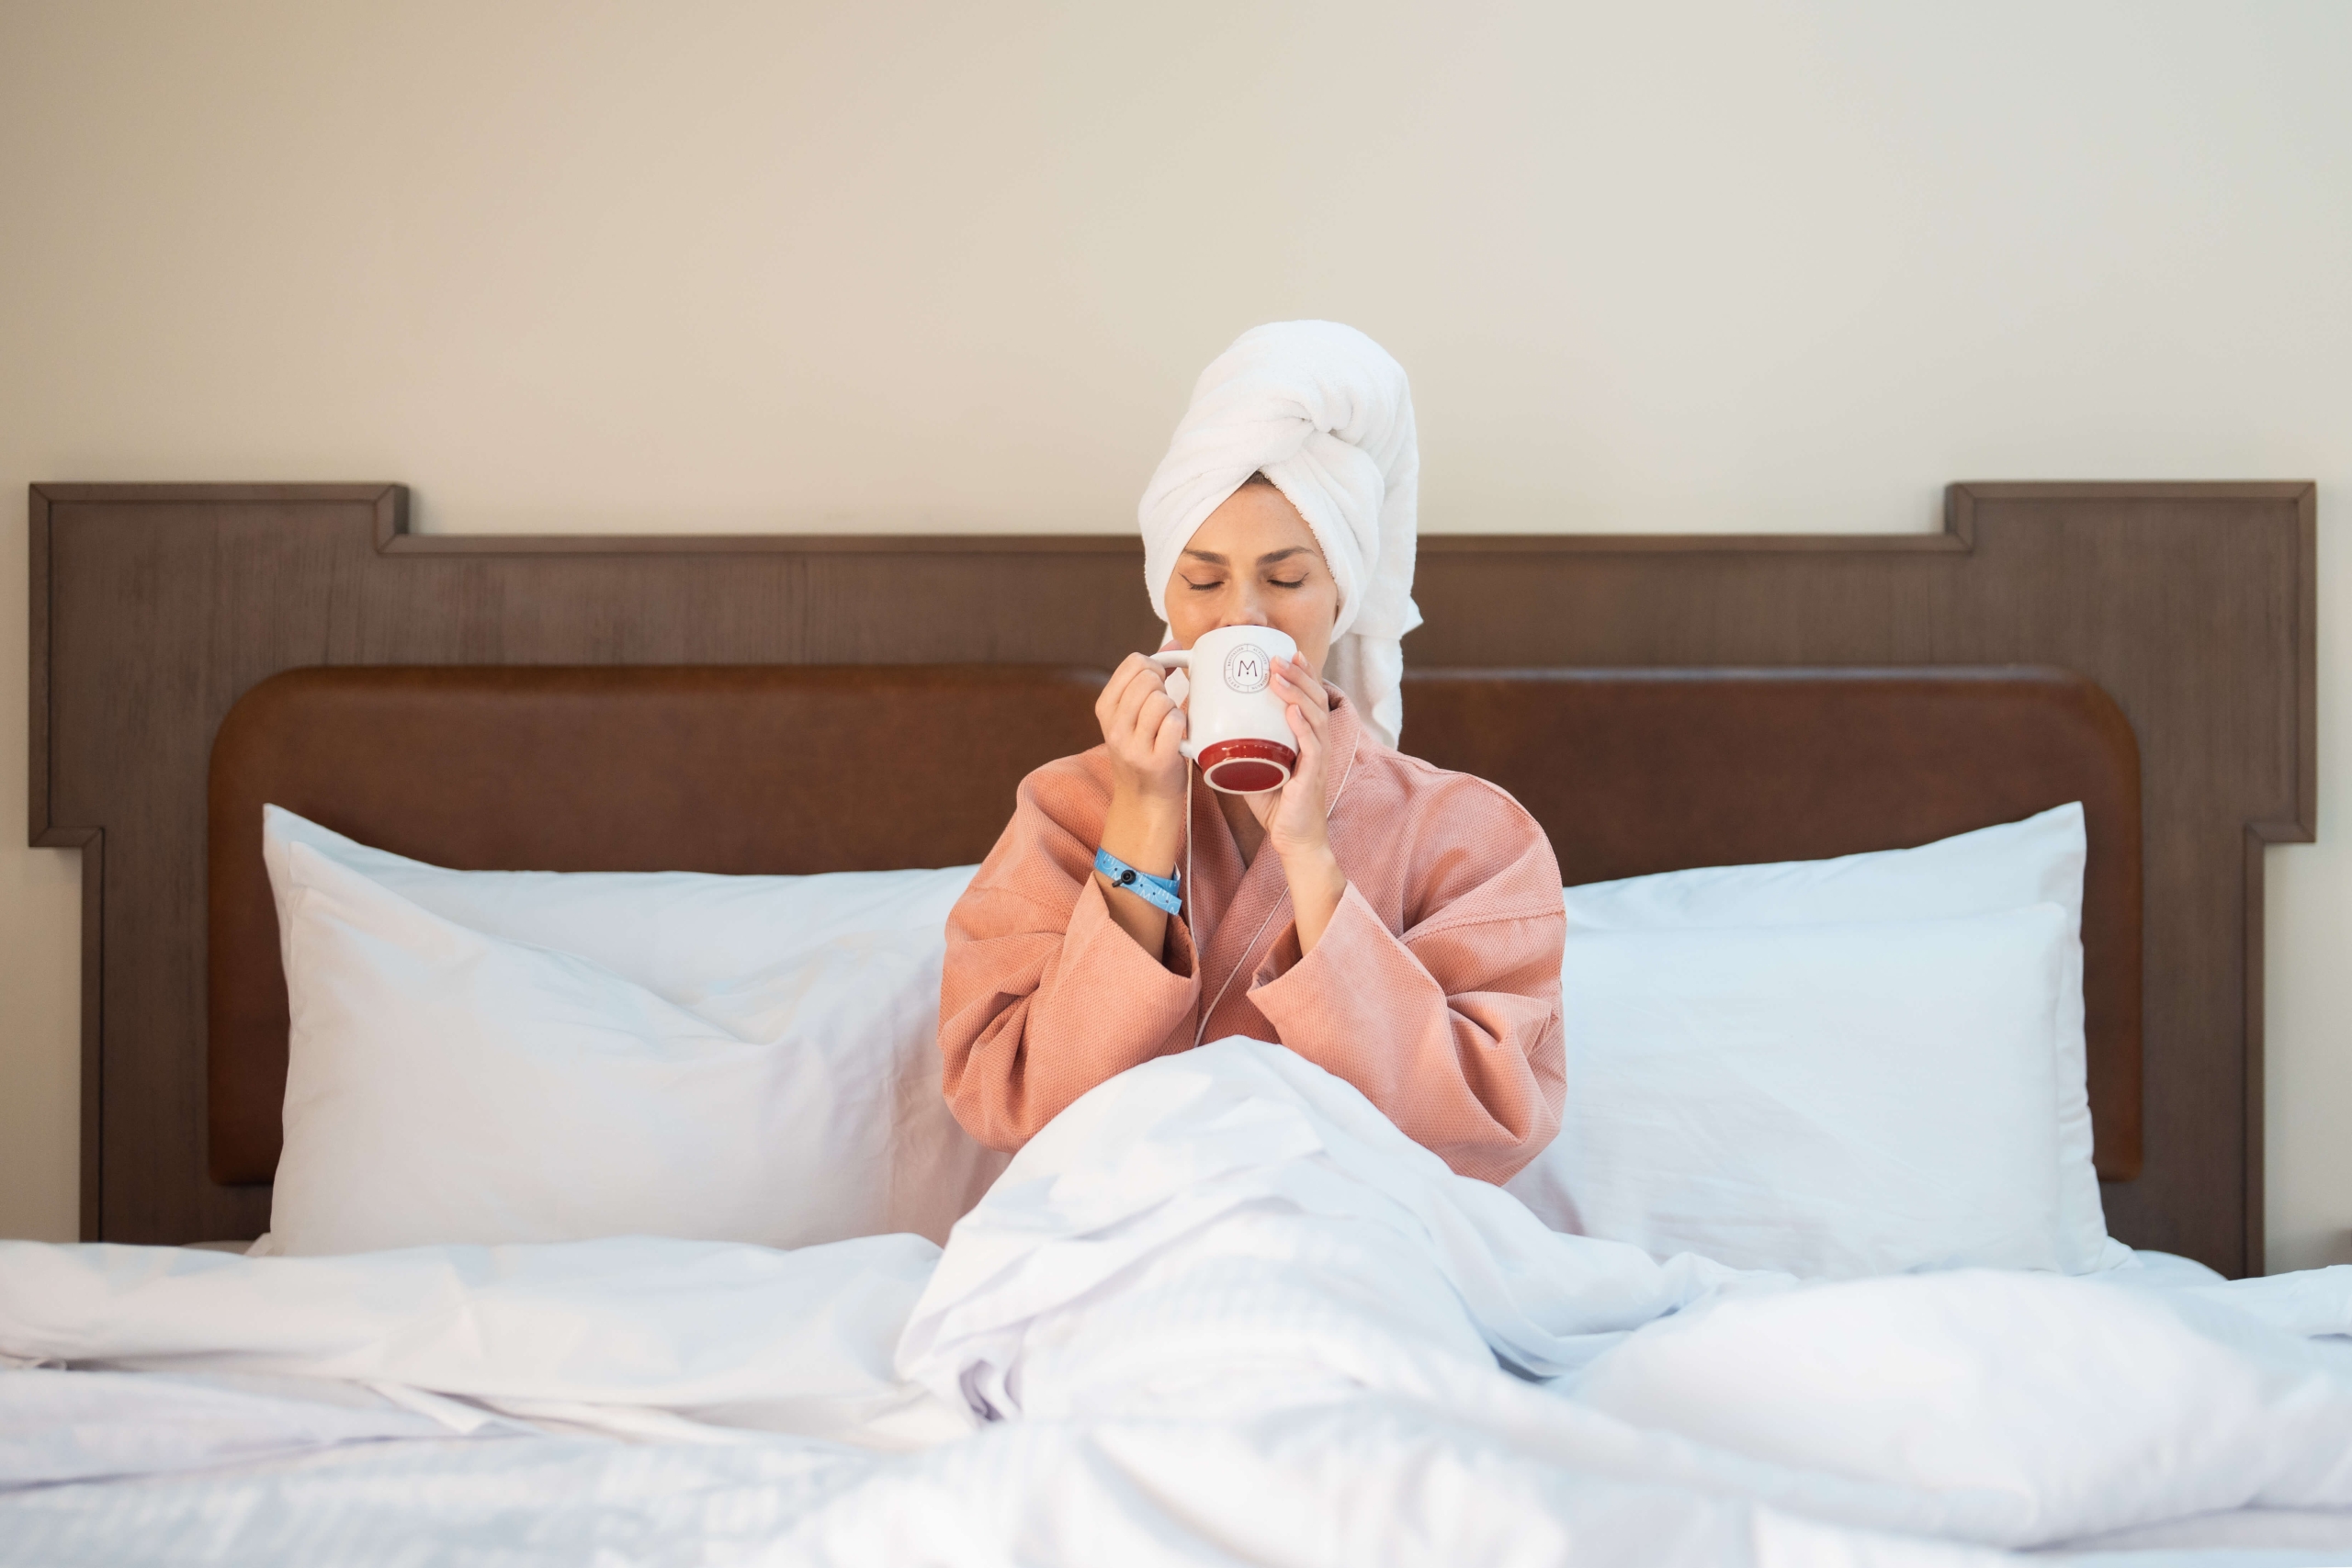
[(1143, 830), (1146, 834), (1316, 886), (1314, 867)]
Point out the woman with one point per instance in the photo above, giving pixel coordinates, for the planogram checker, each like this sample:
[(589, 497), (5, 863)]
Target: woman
[(1395, 923)]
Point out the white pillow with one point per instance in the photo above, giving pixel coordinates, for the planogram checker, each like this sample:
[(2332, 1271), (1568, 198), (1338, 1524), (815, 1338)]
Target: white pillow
[(2039, 860), (514, 1056), (1833, 1101)]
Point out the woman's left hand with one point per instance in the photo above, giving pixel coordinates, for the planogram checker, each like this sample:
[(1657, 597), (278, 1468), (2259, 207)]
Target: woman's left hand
[(1292, 814), (1296, 828)]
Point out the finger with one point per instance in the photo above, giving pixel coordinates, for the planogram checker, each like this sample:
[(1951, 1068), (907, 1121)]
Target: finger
[(1153, 714), (1309, 739), (1133, 671), (1134, 664), (1307, 693), (1318, 719), (1169, 735), (1314, 754), (1132, 702), (1106, 702), (1300, 679)]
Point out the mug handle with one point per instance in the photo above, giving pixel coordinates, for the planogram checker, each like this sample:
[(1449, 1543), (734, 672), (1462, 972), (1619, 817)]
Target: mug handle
[(1178, 658)]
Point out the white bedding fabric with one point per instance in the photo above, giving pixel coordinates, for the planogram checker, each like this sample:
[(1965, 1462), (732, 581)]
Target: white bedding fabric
[(1833, 1101), (534, 1056), (2036, 861), (1221, 1310)]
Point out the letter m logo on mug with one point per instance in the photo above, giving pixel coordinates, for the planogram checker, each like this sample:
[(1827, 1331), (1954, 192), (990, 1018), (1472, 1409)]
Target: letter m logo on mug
[(1247, 668)]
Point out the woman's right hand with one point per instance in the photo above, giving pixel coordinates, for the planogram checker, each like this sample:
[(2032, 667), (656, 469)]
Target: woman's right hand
[(1144, 824), (1143, 725)]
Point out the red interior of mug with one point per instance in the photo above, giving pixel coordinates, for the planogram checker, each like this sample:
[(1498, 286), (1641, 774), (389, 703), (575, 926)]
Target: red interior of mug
[(1247, 767)]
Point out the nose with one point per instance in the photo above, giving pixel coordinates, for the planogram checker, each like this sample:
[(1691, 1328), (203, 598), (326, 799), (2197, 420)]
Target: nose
[(1244, 608)]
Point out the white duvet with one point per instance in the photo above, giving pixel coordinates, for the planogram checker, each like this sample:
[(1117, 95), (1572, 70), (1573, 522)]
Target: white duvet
[(1220, 1311)]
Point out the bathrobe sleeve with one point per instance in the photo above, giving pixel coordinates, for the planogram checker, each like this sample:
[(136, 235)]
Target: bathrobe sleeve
[(1445, 1010), (1043, 995)]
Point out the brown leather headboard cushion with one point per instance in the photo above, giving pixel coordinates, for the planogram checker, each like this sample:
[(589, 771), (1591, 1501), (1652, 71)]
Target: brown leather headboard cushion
[(796, 769)]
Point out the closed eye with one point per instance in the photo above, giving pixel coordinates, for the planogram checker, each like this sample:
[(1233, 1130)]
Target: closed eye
[(1204, 587), (1293, 583)]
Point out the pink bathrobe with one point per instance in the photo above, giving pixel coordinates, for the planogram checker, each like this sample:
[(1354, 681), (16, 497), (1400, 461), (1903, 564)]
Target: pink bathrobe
[(1435, 989)]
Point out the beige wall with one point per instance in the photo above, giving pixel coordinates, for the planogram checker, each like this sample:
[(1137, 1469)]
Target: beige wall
[(715, 267)]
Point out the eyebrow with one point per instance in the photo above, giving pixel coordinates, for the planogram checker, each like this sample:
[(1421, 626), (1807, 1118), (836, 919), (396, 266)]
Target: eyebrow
[(1269, 559)]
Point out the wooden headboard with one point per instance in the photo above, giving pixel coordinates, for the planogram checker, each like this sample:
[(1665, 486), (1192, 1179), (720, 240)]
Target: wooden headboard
[(1701, 665)]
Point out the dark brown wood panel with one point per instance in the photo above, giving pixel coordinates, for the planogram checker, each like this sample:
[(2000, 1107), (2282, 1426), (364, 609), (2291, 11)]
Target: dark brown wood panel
[(155, 608)]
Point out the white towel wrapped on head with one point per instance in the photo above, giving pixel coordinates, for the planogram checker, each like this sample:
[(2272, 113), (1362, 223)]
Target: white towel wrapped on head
[(1324, 413)]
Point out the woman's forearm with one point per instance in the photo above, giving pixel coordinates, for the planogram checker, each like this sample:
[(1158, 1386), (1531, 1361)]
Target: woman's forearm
[(1147, 834), (1316, 886)]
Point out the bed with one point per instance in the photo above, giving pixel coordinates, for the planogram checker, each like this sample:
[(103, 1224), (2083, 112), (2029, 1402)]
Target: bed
[(796, 705)]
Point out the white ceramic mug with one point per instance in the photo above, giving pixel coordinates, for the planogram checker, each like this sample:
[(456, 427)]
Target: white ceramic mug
[(1235, 725)]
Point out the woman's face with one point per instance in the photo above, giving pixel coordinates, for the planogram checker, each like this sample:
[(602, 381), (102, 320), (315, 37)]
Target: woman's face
[(1255, 563)]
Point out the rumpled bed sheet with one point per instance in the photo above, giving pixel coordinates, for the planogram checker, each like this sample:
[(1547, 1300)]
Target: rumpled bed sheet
[(1220, 1312)]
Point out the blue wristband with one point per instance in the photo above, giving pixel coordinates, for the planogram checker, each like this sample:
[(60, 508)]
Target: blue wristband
[(1163, 892)]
